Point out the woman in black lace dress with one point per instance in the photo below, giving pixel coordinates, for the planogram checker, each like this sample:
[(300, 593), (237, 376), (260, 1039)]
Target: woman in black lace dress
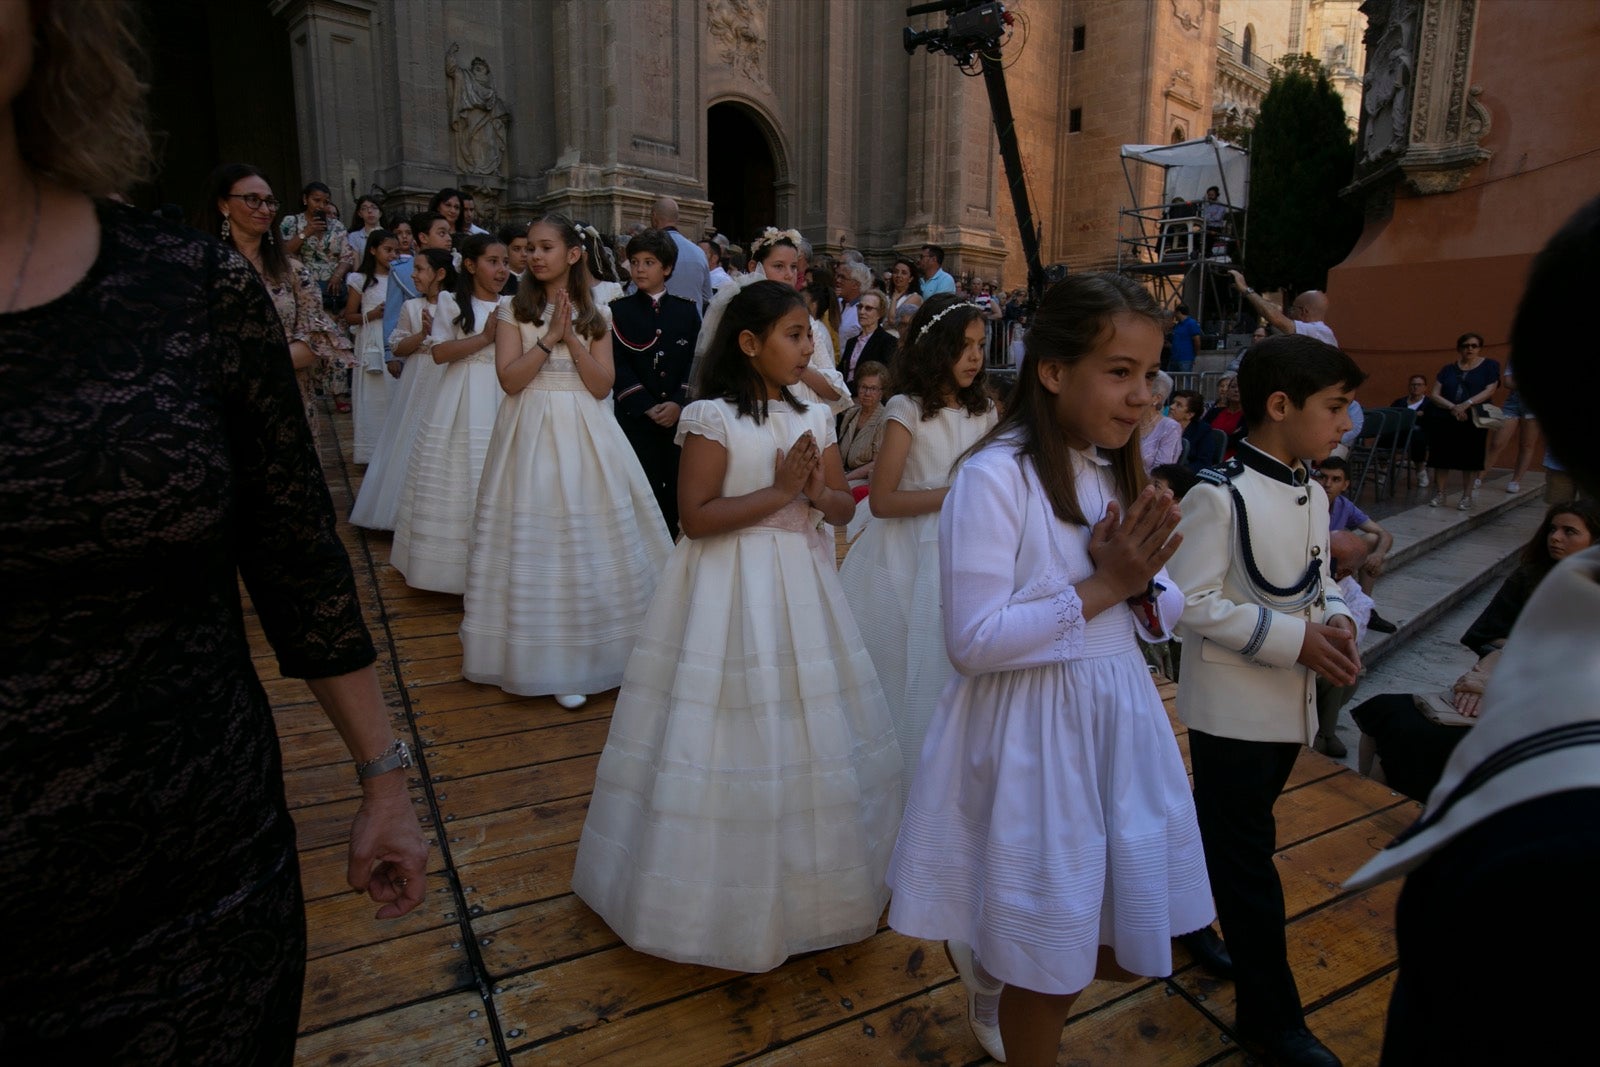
[(152, 449)]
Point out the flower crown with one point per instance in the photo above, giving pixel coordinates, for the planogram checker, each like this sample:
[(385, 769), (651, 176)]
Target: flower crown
[(934, 321), (771, 236)]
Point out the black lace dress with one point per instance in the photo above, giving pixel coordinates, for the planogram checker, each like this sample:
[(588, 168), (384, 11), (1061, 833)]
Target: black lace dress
[(153, 448)]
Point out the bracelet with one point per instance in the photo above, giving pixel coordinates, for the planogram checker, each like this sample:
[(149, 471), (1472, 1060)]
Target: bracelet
[(392, 758), (544, 347)]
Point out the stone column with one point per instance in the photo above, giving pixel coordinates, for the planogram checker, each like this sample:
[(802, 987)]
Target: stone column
[(628, 117), (331, 49)]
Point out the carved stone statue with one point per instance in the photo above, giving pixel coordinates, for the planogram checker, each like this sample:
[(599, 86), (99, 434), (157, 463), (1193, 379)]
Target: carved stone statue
[(740, 29), (478, 118), (1386, 89)]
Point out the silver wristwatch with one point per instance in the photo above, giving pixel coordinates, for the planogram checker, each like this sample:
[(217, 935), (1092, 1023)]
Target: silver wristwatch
[(392, 758)]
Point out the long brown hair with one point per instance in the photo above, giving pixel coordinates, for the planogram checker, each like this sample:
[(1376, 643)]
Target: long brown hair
[(80, 117), (1536, 553), (529, 303), (1074, 316)]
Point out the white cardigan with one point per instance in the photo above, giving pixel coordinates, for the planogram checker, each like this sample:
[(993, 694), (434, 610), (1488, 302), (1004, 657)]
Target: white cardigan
[(1008, 566)]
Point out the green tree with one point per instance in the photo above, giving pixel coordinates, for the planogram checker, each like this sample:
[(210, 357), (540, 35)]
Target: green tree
[(1301, 155)]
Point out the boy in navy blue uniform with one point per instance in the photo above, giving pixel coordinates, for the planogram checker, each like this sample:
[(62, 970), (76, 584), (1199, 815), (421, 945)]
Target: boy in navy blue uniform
[(655, 334)]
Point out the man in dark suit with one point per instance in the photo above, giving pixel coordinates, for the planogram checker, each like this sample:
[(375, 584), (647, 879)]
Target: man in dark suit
[(872, 344), (654, 334)]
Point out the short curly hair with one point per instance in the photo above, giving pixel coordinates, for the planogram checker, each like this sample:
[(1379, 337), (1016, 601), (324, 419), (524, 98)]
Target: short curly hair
[(81, 117)]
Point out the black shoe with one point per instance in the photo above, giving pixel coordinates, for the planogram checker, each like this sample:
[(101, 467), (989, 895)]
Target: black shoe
[(1380, 624), (1298, 1047), (1209, 952)]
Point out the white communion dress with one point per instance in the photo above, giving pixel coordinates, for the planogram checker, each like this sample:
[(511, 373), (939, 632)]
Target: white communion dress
[(433, 530), (1050, 814), (891, 577), (746, 801), (378, 500), (568, 541), (372, 387)]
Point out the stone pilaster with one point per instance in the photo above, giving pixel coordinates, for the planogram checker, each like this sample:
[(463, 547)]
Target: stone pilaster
[(331, 50)]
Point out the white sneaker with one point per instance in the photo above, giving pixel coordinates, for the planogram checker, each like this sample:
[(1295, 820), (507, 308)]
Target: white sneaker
[(1422, 477), (979, 996), (572, 701), (1438, 499), (1466, 502), (1513, 488)]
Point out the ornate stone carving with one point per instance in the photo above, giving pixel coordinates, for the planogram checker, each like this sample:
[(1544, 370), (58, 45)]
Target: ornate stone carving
[(1189, 14), (739, 28), (1421, 119), (478, 120), (1386, 89)]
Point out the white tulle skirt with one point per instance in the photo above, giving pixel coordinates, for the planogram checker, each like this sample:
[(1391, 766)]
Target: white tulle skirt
[(891, 581), (746, 802), (372, 390), (567, 546), (433, 529), (377, 503)]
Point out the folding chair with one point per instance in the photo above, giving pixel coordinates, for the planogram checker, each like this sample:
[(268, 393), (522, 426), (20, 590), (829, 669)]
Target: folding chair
[(1367, 450)]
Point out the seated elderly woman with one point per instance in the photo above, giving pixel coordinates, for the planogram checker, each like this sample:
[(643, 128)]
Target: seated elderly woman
[(861, 429), (1403, 746), (1160, 437)]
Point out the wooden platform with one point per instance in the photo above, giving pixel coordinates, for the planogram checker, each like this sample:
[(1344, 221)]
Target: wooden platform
[(502, 965)]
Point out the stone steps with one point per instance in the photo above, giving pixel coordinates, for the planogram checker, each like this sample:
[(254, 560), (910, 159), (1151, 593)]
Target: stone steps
[(1441, 555)]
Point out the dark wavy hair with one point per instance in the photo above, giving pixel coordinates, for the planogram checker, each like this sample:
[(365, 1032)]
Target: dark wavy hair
[(728, 372), (924, 365), (529, 303), (369, 257), (915, 286), (458, 226), (274, 260), (1536, 553), (443, 262), (473, 247), (1073, 318)]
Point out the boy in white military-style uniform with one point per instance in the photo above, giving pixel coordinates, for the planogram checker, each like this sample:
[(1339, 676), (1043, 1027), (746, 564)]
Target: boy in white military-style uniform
[(1262, 619)]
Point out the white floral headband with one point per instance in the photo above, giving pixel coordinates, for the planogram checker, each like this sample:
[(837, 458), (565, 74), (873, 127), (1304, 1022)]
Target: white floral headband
[(772, 235), (934, 321)]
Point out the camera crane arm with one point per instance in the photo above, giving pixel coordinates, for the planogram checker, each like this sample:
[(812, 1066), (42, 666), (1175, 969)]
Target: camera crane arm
[(976, 28)]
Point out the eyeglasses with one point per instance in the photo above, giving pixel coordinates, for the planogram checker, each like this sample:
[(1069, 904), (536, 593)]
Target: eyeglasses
[(255, 202), (1470, 344)]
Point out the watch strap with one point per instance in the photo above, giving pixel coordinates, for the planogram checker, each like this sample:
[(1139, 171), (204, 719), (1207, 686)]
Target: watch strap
[(392, 758)]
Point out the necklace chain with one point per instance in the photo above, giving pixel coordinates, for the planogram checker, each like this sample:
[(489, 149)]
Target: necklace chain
[(27, 250)]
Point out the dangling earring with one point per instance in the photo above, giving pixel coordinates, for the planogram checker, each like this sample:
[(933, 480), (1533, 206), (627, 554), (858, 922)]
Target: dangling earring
[(227, 229)]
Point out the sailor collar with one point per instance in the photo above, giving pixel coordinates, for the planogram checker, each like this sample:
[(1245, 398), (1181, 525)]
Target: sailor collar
[(1274, 468)]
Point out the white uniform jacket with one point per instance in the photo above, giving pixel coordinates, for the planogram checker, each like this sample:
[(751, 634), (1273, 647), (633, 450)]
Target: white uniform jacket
[(1240, 638)]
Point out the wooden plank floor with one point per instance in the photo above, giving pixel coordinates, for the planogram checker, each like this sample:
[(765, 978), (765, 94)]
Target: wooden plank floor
[(503, 965)]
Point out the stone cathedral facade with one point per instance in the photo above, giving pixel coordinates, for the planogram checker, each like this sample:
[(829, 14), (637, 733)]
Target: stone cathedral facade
[(803, 113)]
